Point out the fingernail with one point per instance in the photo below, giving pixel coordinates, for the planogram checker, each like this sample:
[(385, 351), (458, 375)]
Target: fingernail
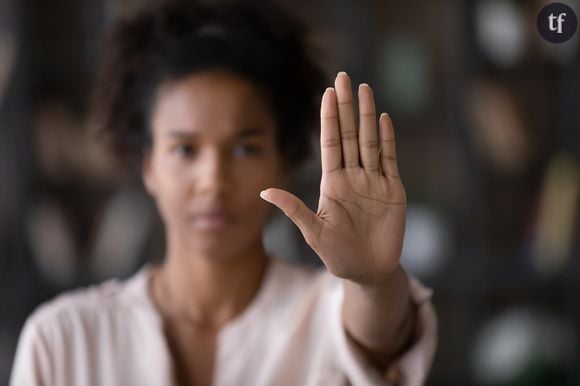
[(264, 195), (342, 73)]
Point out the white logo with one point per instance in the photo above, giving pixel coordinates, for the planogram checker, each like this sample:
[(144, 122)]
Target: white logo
[(559, 19)]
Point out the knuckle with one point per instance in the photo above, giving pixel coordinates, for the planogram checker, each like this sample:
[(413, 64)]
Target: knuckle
[(331, 142), (369, 145), (348, 135)]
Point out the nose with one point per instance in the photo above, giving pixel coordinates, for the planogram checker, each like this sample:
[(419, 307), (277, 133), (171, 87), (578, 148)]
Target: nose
[(213, 174)]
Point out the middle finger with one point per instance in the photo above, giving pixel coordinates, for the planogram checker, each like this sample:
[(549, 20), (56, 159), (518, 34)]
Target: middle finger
[(346, 117)]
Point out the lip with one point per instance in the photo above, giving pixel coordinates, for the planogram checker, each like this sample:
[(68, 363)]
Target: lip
[(212, 221)]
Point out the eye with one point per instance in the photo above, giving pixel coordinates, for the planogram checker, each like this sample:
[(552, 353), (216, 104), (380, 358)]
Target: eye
[(242, 150), (183, 150)]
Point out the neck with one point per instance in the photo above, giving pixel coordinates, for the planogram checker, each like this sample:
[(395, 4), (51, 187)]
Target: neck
[(208, 291)]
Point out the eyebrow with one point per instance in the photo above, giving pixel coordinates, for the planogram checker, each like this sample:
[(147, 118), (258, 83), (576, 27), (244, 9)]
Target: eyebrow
[(248, 132)]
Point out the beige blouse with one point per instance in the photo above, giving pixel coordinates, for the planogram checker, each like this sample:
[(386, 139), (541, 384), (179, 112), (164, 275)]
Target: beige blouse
[(290, 334)]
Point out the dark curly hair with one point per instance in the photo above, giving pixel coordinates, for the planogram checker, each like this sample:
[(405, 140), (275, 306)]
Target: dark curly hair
[(173, 39)]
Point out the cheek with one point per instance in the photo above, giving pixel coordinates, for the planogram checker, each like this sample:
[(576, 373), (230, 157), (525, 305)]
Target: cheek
[(252, 215), (170, 193), (247, 194)]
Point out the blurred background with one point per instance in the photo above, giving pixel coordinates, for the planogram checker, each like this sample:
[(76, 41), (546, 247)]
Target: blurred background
[(487, 116)]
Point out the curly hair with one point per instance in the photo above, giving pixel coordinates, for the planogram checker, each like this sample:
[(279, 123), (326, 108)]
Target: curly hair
[(169, 40)]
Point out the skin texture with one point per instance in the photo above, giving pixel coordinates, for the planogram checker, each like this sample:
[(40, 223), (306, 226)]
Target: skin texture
[(214, 150), (360, 223)]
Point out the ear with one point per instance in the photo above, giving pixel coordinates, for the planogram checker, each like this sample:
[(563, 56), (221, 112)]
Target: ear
[(147, 172)]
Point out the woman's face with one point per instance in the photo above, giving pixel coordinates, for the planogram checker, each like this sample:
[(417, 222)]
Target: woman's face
[(214, 149)]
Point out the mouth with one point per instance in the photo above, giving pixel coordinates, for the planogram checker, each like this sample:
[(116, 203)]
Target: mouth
[(212, 221)]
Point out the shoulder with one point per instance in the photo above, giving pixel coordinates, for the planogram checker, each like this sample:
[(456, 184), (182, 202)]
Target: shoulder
[(85, 333), (89, 305)]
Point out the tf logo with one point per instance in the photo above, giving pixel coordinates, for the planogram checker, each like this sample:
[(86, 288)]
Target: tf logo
[(557, 22)]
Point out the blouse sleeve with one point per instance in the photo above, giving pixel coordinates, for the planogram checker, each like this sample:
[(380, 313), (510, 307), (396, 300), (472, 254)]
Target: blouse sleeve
[(413, 365), (32, 361)]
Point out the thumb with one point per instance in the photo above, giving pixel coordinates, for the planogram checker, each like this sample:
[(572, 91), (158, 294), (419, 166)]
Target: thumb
[(305, 219)]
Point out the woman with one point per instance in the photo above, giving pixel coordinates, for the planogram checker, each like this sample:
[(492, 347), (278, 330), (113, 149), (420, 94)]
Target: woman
[(218, 102)]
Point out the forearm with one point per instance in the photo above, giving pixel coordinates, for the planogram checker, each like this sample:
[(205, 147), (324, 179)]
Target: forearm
[(380, 318)]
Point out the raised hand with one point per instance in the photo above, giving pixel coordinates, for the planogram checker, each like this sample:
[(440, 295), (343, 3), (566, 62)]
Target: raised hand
[(359, 226)]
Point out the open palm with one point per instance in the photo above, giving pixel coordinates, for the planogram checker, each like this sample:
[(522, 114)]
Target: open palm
[(359, 226)]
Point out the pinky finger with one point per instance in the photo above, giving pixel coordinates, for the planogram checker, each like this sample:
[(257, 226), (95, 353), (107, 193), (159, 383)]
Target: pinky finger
[(388, 152)]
